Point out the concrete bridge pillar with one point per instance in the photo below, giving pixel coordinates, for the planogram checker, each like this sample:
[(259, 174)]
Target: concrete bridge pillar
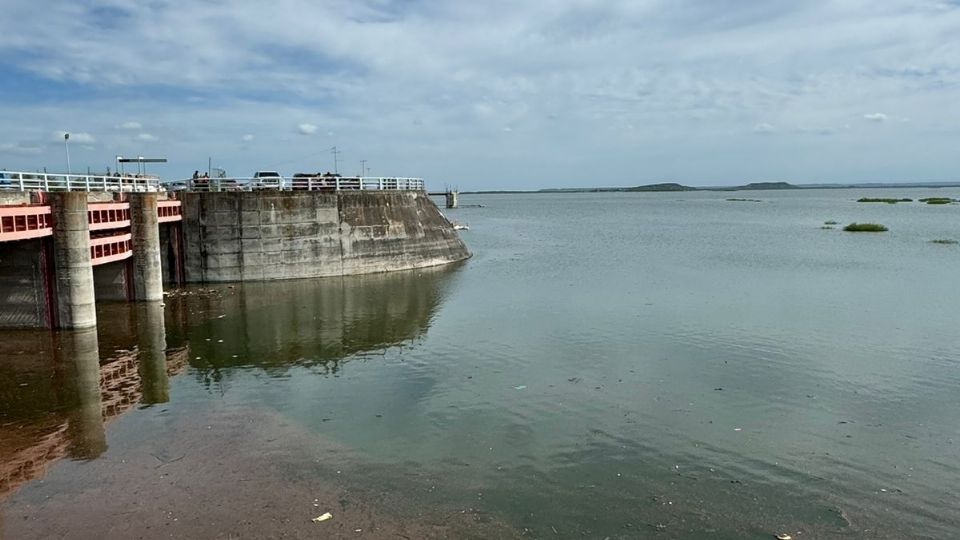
[(145, 232), (452, 199), (75, 304)]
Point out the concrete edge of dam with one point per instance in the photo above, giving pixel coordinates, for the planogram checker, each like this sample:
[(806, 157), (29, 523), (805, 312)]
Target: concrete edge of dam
[(269, 235)]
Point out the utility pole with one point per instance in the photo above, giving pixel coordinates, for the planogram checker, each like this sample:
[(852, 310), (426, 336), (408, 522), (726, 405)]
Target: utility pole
[(66, 144), (334, 151), (363, 167)]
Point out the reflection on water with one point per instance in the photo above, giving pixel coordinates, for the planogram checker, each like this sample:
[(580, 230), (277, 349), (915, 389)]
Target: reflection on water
[(275, 326), (58, 391), (79, 354)]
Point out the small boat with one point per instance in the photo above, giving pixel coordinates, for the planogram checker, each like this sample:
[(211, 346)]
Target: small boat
[(460, 227)]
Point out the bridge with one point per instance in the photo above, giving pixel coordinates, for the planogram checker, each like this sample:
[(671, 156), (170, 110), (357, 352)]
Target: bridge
[(66, 240)]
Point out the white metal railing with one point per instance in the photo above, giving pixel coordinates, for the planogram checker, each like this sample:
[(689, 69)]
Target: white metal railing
[(299, 183), (28, 181)]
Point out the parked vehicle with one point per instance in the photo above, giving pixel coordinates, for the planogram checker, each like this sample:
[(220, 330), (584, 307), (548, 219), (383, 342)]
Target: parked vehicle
[(175, 186), (267, 180)]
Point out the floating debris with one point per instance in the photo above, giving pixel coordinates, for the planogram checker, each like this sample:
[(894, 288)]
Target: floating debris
[(322, 517)]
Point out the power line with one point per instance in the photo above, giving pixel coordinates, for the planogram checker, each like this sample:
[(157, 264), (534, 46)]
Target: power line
[(334, 151)]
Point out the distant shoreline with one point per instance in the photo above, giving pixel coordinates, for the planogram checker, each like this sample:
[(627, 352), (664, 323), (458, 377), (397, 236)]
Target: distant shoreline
[(756, 186)]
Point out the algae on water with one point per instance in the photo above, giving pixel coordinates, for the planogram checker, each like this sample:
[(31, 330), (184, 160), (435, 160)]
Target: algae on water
[(882, 200), (865, 227)]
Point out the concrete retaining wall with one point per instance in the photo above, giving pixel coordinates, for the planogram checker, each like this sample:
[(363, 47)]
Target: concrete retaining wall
[(267, 235)]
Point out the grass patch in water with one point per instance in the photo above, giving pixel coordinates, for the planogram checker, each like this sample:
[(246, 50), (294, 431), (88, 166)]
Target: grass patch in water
[(938, 200), (865, 227), (831, 222), (882, 200), (744, 200), (826, 227), (944, 241)]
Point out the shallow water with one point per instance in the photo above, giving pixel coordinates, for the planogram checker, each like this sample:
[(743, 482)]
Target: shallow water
[(607, 365)]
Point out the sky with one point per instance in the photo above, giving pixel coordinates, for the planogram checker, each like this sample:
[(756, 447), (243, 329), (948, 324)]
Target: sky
[(489, 94)]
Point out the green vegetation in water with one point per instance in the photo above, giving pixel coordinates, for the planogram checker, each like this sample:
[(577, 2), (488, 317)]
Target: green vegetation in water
[(826, 227), (882, 200), (865, 227), (938, 200), (745, 200), (831, 222), (944, 241)]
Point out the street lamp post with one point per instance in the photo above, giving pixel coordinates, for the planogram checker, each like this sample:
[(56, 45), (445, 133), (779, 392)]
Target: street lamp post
[(363, 167), (66, 145)]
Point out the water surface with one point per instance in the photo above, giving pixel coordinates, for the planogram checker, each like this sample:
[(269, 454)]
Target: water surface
[(607, 365)]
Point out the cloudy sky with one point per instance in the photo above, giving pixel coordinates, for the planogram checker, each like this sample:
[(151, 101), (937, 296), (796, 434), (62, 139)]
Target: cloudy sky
[(490, 94)]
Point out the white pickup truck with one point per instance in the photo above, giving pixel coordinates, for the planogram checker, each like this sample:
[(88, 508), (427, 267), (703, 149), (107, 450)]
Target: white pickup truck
[(267, 180)]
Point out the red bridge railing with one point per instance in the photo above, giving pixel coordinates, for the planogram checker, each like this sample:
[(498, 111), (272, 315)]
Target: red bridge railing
[(34, 221), (106, 249), (168, 210), (108, 215), (24, 222)]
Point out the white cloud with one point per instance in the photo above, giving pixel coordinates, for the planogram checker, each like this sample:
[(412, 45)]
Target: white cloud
[(20, 149), (147, 137), (764, 127), (876, 117), (78, 138), (247, 138), (693, 77)]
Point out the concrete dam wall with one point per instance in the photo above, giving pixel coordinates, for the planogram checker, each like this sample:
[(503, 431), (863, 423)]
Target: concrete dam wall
[(268, 235)]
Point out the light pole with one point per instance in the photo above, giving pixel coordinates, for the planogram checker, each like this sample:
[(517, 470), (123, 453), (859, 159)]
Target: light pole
[(363, 167), (66, 144)]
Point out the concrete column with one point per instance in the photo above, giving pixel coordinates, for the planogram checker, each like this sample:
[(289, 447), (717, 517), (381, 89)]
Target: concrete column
[(147, 269), (452, 197), (75, 299)]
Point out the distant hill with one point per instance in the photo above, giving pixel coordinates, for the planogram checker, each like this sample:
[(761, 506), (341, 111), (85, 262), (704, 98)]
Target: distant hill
[(673, 186), (768, 185), (668, 186)]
